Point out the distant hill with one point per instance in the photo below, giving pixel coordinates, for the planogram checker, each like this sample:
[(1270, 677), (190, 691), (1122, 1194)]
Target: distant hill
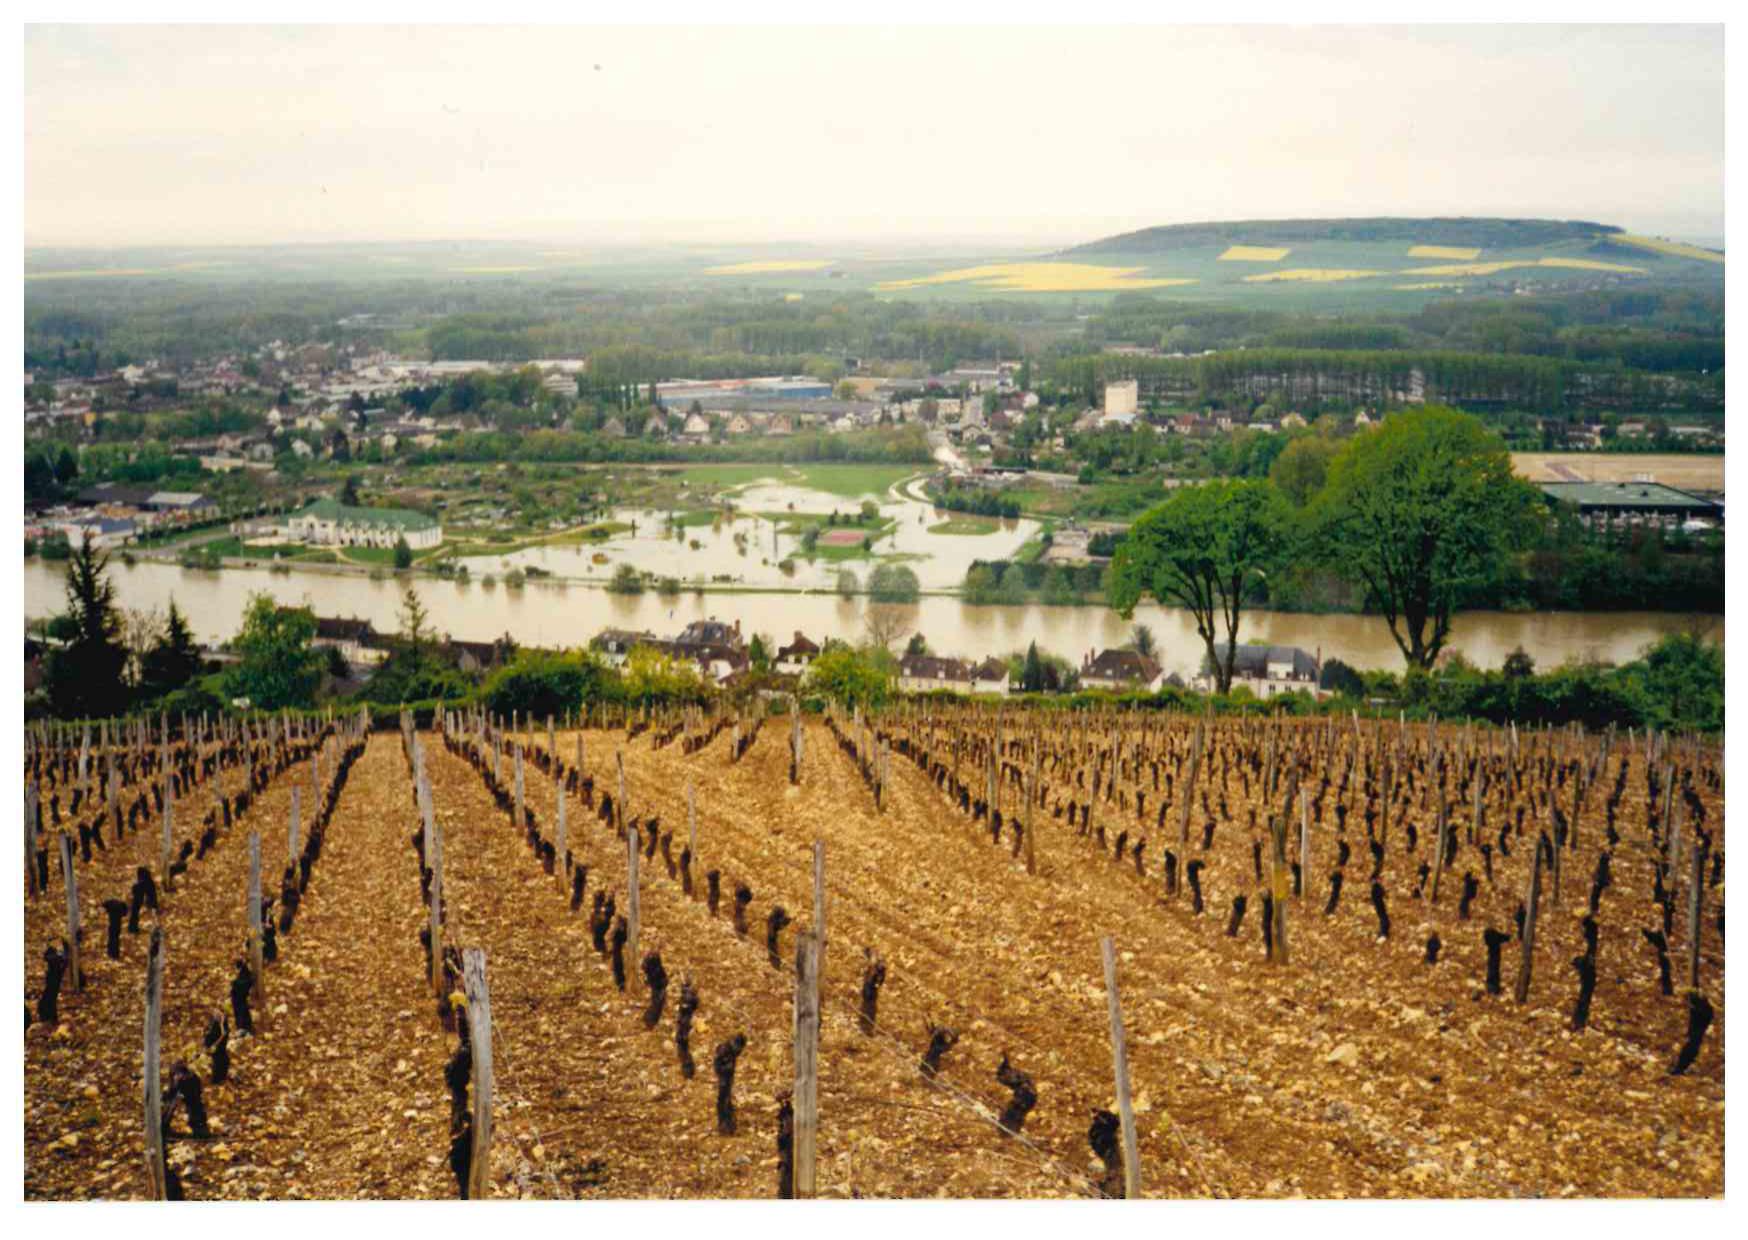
[(1482, 232)]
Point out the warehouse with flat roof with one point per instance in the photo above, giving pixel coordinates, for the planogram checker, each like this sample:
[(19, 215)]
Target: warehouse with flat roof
[(1605, 504)]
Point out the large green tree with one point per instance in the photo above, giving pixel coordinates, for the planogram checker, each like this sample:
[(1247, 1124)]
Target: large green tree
[(540, 683), (1302, 467), (277, 663), (1204, 549), (414, 670), (173, 660), (86, 677), (1683, 680), (851, 677), (1420, 511)]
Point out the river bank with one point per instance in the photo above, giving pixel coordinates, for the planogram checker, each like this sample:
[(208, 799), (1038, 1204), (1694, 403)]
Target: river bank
[(548, 612)]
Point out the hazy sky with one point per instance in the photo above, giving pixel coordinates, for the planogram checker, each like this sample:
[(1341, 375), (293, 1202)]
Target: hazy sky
[(260, 134)]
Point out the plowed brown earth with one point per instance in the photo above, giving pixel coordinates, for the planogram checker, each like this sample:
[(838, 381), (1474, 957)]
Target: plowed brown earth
[(83, 1127), (593, 1103), (1356, 1071)]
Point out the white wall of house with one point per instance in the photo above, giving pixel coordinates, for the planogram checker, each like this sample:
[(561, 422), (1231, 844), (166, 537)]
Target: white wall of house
[(324, 532)]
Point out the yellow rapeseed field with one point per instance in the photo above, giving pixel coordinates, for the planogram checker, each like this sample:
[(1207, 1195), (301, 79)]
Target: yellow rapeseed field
[(1675, 249), (1310, 275), (1040, 278), (90, 273), (769, 265), (1255, 253), (1506, 264), (1462, 252), (99, 273)]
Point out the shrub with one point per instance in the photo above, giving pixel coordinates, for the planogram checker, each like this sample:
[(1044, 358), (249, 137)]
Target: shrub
[(893, 583), (538, 684)]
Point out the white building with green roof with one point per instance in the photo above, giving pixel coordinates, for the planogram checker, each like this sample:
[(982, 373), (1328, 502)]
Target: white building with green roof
[(329, 523)]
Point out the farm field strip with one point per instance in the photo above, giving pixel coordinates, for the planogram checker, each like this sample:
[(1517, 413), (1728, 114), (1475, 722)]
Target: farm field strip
[(776, 879), (84, 1076), (1049, 1029), (1643, 1036), (111, 871), (878, 1105), (144, 781), (307, 1113)]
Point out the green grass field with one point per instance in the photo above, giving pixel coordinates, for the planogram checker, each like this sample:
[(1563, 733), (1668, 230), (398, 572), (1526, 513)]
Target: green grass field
[(964, 523), (847, 481)]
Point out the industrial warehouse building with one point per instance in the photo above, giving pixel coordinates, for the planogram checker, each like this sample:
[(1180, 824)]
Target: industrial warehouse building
[(1602, 505)]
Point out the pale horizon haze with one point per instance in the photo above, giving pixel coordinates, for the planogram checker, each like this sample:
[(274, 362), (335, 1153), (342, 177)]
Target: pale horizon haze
[(252, 135)]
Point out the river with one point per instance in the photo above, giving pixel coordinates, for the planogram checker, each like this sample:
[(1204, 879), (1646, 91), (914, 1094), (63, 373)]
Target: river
[(555, 614)]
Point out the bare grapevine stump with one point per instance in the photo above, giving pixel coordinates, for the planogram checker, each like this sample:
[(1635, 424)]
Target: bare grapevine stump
[(873, 977), (1586, 968), (1379, 908), (1495, 941), (727, 1055), (688, 1007), (218, 1049), (941, 1040), (1025, 1096), (786, 1125), (774, 925), (1699, 1019), (655, 977), (1102, 1136)]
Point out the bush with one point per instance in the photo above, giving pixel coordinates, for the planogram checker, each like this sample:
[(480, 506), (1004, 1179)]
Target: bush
[(893, 583), (538, 684), (626, 580), (1339, 678), (851, 677)]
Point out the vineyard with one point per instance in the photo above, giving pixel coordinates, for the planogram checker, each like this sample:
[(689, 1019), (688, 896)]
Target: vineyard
[(943, 950)]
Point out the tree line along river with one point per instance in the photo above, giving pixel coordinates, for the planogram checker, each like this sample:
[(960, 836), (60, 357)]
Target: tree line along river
[(547, 613)]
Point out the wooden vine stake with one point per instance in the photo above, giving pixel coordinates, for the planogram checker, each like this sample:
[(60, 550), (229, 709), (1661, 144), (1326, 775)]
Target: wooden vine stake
[(619, 801), (434, 858), (296, 825), (806, 1061), (819, 899), (72, 880), (1280, 885), (632, 920), (479, 1029), (521, 817), (1034, 804), (156, 1182), (168, 830), (692, 818), (1120, 1068), (1530, 905), (1694, 898), (254, 915), (564, 835), (1304, 847), (32, 813)]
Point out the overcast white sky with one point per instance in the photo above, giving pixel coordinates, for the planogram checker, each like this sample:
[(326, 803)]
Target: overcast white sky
[(258, 134)]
